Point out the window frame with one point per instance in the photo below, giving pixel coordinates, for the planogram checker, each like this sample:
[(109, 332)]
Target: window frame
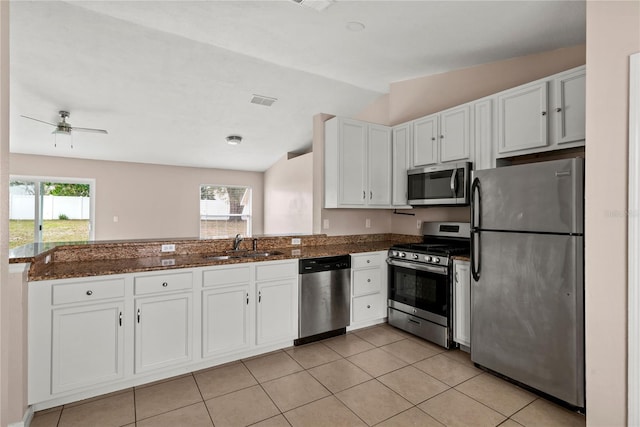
[(249, 231), (38, 180)]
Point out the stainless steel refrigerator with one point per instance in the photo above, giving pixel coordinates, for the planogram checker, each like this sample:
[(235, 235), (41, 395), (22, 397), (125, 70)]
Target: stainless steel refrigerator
[(528, 275)]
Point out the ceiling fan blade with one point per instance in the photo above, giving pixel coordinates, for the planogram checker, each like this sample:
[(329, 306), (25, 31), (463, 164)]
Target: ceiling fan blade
[(37, 120), (89, 130)]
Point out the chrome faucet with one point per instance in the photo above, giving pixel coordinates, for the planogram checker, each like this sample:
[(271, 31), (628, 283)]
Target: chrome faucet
[(237, 241)]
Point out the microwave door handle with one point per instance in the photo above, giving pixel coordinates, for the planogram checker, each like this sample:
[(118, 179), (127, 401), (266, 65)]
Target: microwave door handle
[(453, 183)]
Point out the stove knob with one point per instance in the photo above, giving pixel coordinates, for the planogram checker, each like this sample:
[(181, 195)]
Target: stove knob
[(415, 256), (436, 260), (402, 255), (427, 258)]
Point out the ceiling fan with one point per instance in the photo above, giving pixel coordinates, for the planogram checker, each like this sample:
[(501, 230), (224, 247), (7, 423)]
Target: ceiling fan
[(62, 127)]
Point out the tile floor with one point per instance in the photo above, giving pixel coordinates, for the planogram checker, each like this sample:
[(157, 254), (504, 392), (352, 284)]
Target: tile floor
[(375, 376)]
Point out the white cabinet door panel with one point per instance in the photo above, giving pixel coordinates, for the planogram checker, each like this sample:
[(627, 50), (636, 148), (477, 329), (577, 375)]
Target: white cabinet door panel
[(462, 305), (352, 159), (401, 158), (454, 134), (225, 320), (87, 346), (425, 141), (484, 134), (569, 109), (277, 311), (379, 166), (522, 118), (163, 331)]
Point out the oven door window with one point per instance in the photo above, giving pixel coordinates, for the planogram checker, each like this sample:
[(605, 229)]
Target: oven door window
[(420, 289)]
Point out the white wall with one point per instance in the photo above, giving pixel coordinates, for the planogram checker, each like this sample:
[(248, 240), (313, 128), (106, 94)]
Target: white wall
[(613, 33), (288, 196), (150, 201)]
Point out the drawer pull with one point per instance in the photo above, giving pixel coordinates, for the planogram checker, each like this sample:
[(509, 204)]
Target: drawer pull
[(368, 261), (368, 305), (89, 292), (165, 284), (413, 321), (368, 280)]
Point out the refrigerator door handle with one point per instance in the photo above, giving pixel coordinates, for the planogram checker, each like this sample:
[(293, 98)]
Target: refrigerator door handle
[(453, 184), (476, 207), (475, 255)]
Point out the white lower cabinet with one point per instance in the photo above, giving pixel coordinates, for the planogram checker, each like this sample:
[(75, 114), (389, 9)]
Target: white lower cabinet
[(462, 303), (277, 311), (164, 331), (368, 288), (225, 320), (87, 345), (94, 335)]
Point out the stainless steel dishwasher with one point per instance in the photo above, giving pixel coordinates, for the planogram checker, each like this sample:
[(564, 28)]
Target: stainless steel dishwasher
[(324, 297)]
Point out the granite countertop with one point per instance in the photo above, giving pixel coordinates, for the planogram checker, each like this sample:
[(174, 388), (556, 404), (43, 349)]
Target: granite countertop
[(99, 267)]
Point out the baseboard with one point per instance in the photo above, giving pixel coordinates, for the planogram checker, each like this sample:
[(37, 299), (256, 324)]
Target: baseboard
[(26, 419)]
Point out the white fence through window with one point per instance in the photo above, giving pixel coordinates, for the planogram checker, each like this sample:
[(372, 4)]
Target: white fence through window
[(21, 206)]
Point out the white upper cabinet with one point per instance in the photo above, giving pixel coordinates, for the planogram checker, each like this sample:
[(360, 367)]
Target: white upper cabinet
[(357, 164), (442, 137), (545, 115), (401, 155), (425, 141), (483, 133), (454, 134), (522, 118), (379, 166), (569, 107)]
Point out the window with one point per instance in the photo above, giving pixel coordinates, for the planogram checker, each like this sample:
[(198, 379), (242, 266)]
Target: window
[(225, 211), (49, 210)]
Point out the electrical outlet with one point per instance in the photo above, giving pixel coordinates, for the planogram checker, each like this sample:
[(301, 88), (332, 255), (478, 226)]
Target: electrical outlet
[(367, 223), (325, 224), (296, 252), (168, 248), (295, 241), (168, 262), (419, 224)]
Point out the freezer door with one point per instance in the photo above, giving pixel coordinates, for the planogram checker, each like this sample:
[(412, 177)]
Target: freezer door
[(538, 197), (528, 311)]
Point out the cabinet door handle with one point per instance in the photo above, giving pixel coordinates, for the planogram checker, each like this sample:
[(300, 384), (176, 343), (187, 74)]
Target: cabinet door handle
[(368, 280), (441, 136), (368, 261), (364, 194), (120, 319), (259, 296), (370, 195), (457, 277), (544, 113), (433, 138), (368, 305), (165, 284), (247, 298), (89, 292), (558, 109), (138, 315)]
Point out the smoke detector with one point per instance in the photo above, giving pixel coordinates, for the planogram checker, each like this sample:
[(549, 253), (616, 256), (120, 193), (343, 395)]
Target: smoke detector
[(234, 139)]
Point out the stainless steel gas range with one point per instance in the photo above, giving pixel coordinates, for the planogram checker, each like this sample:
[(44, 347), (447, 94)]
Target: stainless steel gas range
[(421, 284)]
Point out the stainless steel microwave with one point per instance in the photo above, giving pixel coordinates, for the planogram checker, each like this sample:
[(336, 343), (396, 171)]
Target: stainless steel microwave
[(439, 185)]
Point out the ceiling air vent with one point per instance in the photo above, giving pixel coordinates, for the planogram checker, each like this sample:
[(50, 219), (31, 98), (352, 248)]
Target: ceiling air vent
[(267, 101)]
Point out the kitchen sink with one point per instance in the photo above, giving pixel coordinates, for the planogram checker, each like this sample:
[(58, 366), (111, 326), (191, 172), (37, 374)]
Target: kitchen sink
[(242, 254)]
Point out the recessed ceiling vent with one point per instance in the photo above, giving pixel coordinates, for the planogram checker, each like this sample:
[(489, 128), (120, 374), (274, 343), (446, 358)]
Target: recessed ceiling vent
[(318, 5), (267, 101)]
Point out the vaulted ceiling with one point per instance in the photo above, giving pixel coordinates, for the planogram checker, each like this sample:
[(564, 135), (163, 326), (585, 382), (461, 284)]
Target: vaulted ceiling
[(170, 80)]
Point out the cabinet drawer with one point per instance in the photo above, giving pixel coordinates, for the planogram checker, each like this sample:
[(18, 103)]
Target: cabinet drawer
[(224, 276), (366, 281), (87, 291), (265, 271), (366, 260), (163, 283), (368, 307)]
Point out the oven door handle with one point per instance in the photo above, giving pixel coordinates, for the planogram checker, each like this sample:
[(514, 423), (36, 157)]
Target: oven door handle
[(420, 267)]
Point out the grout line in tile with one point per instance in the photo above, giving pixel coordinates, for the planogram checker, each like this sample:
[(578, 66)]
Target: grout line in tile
[(202, 397)]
